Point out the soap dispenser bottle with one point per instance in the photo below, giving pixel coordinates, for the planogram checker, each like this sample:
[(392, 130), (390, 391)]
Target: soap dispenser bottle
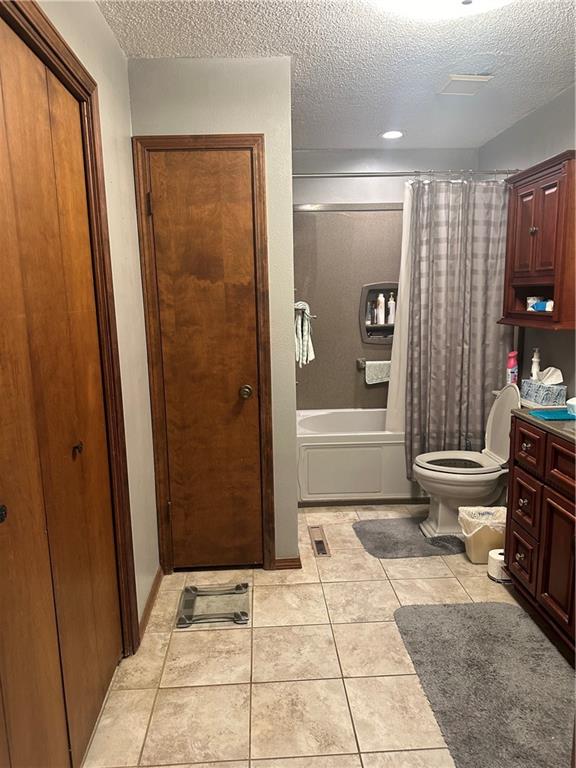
[(380, 310), (535, 370)]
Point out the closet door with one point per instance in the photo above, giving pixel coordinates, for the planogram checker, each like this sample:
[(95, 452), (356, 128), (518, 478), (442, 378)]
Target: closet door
[(203, 218), (30, 673), (46, 158)]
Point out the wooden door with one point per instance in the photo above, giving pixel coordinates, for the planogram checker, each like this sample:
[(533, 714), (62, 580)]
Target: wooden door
[(29, 656), (206, 314), (556, 561), (523, 241), (547, 241), (63, 395)]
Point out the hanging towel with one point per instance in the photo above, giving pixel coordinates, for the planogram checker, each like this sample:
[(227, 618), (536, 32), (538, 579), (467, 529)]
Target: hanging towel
[(303, 333), (377, 371)]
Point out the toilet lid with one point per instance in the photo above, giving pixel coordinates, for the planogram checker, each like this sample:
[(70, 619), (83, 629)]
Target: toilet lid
[(498, 424)]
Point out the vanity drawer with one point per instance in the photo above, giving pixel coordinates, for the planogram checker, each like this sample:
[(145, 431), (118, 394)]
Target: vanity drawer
[(530, 447), (526, 496), (523, 557), (560, 465)]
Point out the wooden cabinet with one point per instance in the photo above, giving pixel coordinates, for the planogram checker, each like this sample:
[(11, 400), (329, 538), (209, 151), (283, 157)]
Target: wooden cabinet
[(540, 540), (540, 246)]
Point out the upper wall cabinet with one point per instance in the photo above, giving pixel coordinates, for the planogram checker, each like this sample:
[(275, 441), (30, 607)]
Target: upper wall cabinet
[(540, 249)]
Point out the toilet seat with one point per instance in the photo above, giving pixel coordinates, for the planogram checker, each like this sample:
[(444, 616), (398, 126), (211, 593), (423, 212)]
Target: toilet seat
[(493, 458), (458, 462)]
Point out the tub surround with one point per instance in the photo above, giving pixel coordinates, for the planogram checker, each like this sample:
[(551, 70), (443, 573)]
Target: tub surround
[(336, 253)]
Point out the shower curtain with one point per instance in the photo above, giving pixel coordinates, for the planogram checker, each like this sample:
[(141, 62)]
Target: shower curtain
[(456, 351)]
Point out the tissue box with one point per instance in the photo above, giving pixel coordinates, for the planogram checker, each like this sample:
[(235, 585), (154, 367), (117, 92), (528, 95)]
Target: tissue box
[(554, 394)]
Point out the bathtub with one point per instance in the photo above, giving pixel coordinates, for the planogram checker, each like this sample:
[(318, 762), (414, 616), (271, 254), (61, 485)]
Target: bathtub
[(348, 455)]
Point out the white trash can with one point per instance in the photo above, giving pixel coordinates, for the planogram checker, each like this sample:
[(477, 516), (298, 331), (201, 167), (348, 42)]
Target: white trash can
[(483, 529)]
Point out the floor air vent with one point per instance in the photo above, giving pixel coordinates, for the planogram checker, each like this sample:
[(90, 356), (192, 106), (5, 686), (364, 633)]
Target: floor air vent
[(319, 543)]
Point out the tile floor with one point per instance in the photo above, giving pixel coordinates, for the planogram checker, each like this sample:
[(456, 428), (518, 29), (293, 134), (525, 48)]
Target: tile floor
[(319, 679)]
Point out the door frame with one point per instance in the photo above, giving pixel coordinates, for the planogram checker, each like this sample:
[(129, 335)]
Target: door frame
[(34, 28), (142, 146)]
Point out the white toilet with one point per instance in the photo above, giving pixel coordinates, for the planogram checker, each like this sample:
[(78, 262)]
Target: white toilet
[(468, 478)]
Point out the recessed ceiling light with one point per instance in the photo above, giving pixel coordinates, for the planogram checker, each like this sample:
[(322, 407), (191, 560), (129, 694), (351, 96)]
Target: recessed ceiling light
[(435, 10), (392, 135)]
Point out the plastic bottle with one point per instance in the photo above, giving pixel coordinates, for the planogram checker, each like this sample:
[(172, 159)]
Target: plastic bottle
[(391, 310), (381, 310), (512, 368), (535, 364)]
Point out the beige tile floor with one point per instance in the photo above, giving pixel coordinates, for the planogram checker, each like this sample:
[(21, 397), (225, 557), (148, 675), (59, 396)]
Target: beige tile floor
[(319, 679)]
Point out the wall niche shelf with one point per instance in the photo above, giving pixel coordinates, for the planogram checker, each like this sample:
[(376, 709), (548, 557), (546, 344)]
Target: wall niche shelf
[(371, 332)]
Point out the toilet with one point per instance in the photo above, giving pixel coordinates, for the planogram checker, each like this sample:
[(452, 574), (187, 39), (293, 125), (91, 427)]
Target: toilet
[(468, 478)]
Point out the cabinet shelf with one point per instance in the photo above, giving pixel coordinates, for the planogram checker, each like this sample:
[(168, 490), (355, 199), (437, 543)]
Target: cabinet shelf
[(540, 247)]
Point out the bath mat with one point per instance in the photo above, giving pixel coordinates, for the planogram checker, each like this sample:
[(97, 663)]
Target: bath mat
[(402, 537), (501, 692)]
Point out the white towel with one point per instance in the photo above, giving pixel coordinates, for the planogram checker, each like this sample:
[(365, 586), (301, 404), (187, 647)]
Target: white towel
[(303, 333), (377, 371)]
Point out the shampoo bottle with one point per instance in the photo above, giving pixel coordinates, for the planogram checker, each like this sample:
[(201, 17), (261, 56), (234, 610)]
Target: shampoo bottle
[(391, 310), (512, 368), (380, 310)]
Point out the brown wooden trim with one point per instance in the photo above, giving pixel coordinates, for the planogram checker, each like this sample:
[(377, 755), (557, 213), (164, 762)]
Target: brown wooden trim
[(142, 146), (284, 563), (35, 29), (541, 168), (153, 594)]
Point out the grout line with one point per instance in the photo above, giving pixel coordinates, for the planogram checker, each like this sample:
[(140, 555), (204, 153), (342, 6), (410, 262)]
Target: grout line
[(158, 686), (341, 674), (251, 684)]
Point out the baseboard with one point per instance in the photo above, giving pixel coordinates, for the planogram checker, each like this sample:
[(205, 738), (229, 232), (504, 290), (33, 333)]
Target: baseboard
[(150, 602), (364, 502), (284, 563)]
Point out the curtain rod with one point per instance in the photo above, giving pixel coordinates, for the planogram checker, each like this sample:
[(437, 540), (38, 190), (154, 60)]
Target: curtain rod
[(383, 174)]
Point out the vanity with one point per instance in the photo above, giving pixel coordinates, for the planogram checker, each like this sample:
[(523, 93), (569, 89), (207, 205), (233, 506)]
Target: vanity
[(539, 551)]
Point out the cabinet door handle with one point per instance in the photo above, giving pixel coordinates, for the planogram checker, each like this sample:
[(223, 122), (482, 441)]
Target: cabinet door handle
[(533, 231), (526, 446), (522, 502), (519, 557), (3, 512)]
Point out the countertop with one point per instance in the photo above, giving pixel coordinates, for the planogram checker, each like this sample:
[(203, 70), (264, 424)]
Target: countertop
[(565, 429)]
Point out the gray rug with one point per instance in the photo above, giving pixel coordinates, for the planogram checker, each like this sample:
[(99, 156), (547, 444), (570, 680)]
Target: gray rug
[(502, 694), (402, 537)]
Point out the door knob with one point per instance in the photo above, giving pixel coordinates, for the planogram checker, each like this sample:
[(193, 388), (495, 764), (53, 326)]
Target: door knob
[(533, 231), (519, 557), (245, 391)]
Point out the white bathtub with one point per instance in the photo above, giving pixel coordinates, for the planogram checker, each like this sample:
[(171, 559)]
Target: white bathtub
[(347, 455)]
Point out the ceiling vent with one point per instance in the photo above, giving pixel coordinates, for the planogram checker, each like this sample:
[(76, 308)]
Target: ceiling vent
[(465, 85)]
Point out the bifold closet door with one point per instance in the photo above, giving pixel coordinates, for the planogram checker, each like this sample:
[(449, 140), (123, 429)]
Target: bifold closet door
[(204, 242), (60, 609)]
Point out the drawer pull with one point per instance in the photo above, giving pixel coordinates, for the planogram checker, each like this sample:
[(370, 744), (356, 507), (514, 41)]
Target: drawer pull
[(520, 556), (526, 447), (523, 502)]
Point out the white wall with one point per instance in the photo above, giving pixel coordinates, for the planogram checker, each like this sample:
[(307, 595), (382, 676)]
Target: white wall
[(379, 190), (195, 96), (542, 134), (84, 29)]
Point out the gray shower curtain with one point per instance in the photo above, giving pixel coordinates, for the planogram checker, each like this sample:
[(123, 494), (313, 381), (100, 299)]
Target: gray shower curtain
[(456, 349)]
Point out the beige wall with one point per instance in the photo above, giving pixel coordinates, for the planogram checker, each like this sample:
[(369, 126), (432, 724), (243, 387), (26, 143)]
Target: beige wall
[(542, 134), (196, 96), (84, 29)]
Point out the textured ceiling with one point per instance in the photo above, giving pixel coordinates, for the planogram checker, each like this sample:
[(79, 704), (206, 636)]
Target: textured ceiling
[(357, 70)]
